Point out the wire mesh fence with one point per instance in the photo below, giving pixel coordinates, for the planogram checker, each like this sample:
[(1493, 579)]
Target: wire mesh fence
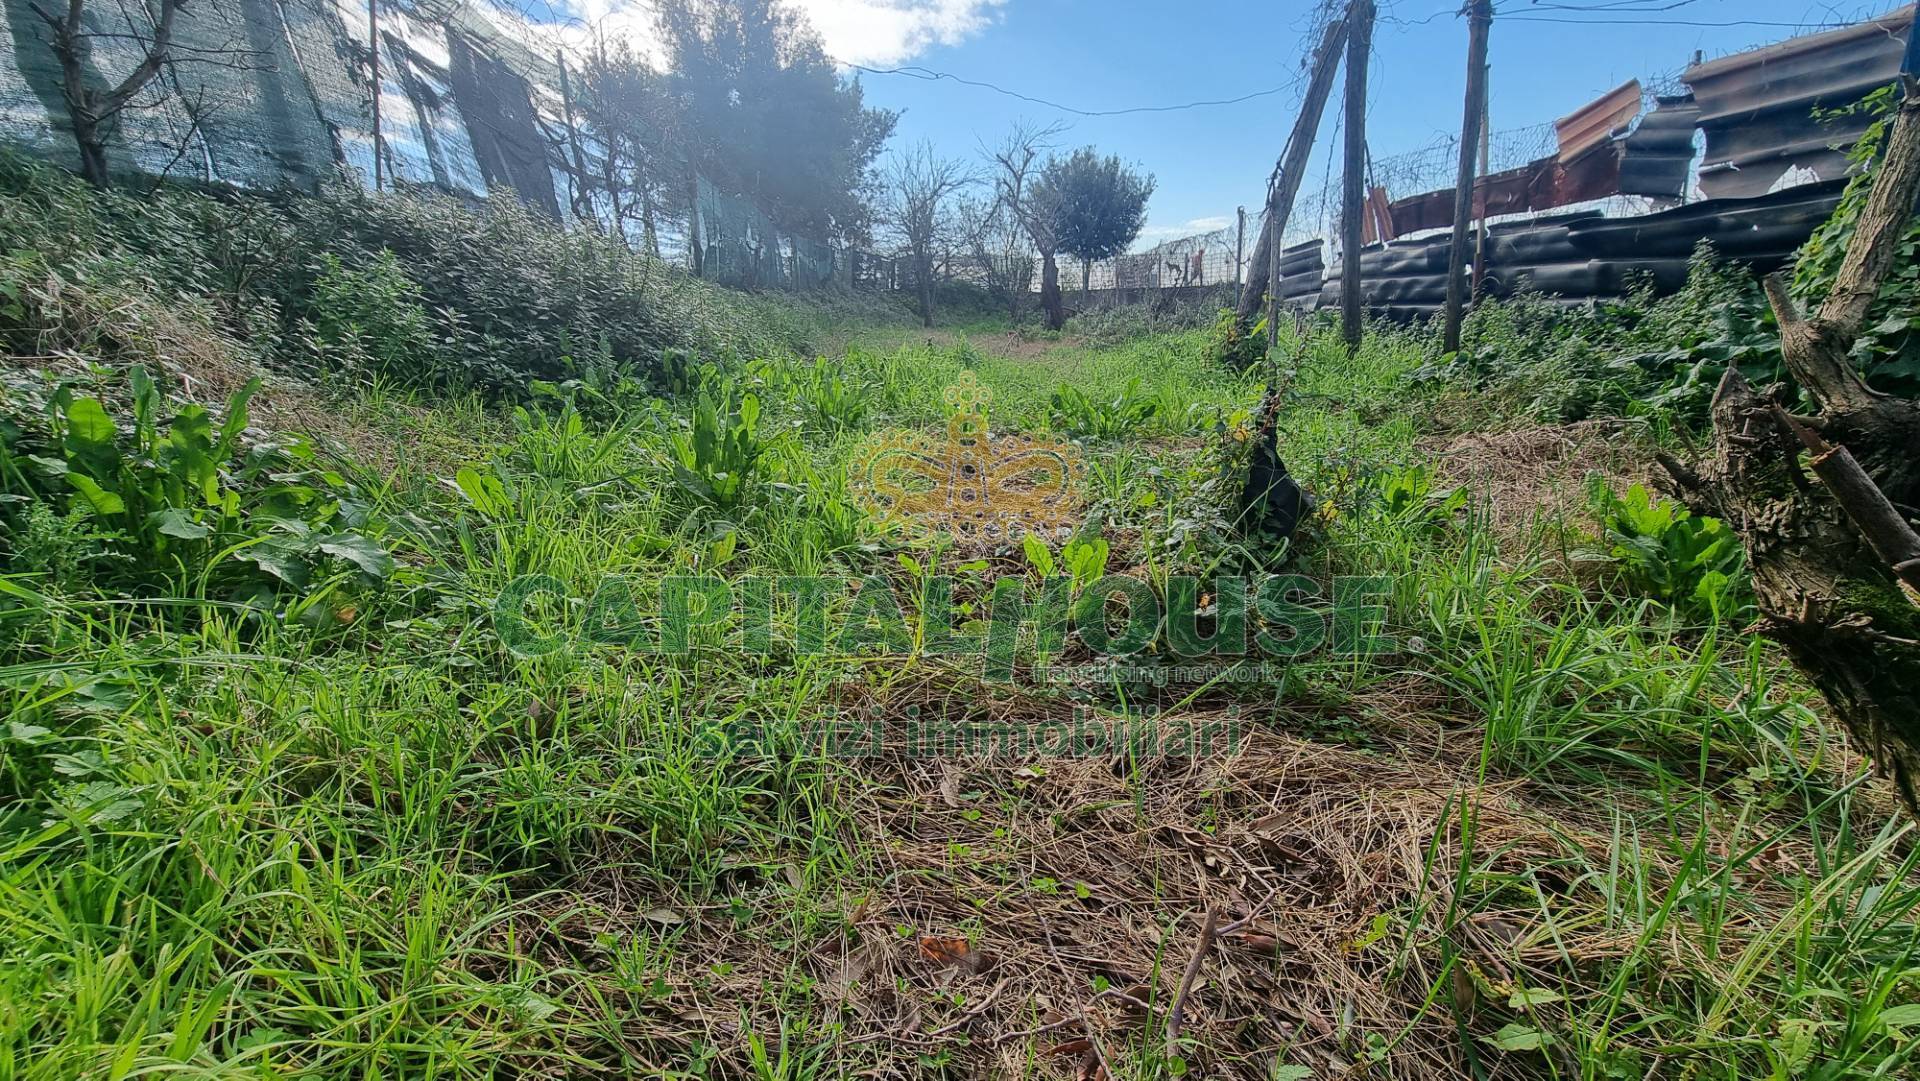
[(1434, 167), (1211, 258)]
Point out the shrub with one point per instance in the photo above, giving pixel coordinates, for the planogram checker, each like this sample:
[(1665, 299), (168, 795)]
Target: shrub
[(373, 317), (1073, 411), (715, 459), (425, 289), (179, 504), (1663, 552)]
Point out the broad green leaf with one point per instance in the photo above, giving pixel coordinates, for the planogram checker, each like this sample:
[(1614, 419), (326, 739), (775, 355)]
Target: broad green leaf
[(102, 501), (277, 561), (1519, 1037), (236, 421), (88, 424), (360, 552), (1907, 1016), (1533, 996), (21, 732), (191, 440), (175, 522)]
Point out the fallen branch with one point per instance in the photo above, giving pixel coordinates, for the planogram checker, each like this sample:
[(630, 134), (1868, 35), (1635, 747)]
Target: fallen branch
[(1177, 1014), (1866, 506)]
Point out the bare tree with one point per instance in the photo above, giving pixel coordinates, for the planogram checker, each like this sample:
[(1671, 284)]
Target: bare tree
[(1017, 166), (916, 188), (1824, 502), (997, 246), (92, 106)]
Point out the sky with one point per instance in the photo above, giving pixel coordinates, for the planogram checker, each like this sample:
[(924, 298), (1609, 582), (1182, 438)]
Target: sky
[(1116, 54)]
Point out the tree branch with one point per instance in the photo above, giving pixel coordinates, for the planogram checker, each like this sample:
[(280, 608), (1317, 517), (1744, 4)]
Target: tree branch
[(1866, 506), (150, 64), (1876, 240), (1817, 353)]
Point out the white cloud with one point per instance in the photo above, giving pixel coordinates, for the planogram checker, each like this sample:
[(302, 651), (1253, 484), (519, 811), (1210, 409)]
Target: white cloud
[(877, 33), (1191, 227), (885, 32)]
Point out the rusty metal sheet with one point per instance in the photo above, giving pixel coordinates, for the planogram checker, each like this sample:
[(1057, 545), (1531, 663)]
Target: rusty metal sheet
[(1595, 123), (1757, 107)]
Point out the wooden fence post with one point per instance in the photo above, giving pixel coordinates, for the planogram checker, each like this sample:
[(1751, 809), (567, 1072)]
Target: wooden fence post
[(1359, 45), (1479, 22)]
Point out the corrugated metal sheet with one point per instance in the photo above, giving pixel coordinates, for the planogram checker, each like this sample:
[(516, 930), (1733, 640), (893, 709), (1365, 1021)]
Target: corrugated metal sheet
[(1597, 123), (1658, 154), (1757, 107), (1602, 152), (1586, 256), (1541, 185)]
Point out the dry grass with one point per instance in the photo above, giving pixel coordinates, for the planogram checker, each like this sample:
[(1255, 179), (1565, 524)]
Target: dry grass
[(1531, 477), (1032, 917)]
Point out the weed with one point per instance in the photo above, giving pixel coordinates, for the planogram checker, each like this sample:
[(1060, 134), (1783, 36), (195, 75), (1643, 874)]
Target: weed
[(1664, 552)]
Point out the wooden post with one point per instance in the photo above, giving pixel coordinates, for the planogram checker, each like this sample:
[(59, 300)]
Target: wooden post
[(373, 58), (1239, 254), (1479, 22), (1480, 198), (1353, 183), (1262, 278)]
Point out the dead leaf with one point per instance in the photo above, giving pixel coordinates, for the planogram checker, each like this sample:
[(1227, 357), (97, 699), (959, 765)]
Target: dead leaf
[(1464, 992), (665, 916), (955, 953), (1079, 1045), (1266, 945), (950, 788), (944, 951)]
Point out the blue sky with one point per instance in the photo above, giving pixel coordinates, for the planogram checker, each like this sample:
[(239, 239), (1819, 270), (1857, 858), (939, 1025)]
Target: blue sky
[(1104, 54), (1107, 54)]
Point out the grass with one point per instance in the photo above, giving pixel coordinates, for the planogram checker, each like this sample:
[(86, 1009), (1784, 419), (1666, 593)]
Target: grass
[(1559, 831)]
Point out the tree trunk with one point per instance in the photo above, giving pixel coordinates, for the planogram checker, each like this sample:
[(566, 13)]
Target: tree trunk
[(89, 136), (1836, 567), (693, 226), (924, 271), (1086, 279), (1050, 292)]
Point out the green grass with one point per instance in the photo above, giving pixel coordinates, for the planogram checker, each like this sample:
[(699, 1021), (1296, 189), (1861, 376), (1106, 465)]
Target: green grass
[(389, 847)]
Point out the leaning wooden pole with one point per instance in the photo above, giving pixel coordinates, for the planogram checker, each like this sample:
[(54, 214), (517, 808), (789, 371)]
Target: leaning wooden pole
[(1353, 183), (1479, 23), (1285, 187)]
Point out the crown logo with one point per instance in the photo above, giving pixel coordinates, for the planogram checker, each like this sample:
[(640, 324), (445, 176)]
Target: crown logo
[(979, 487)]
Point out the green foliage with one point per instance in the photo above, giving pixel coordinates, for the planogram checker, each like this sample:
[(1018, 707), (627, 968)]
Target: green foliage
[(1534, 357), (427, 291), (178, 503), (1239, 349), (1083, 416), (1099, 203), (717, 457), (372, 318), (832, 402), (1664, 552), (1083, 558), (1888, 350), (1410, 496)]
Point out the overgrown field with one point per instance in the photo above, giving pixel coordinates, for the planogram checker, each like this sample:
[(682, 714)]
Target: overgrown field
[(276, 799)]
